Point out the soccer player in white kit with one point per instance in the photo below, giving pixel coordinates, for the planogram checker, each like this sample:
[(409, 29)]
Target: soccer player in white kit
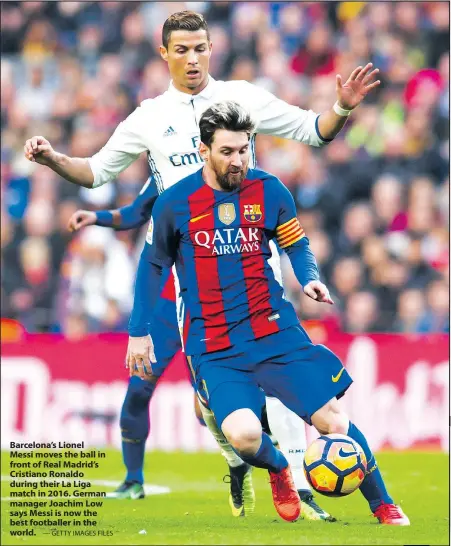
[(166, 128)]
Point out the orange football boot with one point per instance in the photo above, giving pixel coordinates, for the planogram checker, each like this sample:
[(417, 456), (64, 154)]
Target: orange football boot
[(391, 514), (285, 495)]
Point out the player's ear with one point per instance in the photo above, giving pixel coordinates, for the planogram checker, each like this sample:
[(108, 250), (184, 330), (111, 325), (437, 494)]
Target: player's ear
[(203, 150), (164, 53)]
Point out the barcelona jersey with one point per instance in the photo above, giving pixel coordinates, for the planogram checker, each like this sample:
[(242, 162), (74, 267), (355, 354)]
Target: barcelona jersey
[(219, 242)]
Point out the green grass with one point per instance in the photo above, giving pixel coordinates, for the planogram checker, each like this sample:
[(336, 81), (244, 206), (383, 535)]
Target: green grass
[(196, 511)]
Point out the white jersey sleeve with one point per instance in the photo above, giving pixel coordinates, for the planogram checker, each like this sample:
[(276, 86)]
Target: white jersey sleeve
[(276, 117), (124, 147)]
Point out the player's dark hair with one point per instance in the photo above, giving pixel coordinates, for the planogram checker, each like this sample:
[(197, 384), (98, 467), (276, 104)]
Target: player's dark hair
[(183, 20), (228, 115)]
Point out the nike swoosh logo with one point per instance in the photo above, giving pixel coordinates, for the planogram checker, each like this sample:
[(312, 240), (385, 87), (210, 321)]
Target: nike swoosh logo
[(197, 218), (346, 453), (335, 378)]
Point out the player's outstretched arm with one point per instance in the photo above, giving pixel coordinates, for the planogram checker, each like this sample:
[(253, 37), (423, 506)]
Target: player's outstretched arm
[(124, 147), (349, 95), (278, 118), (81, 219), (129, 217), (74, 169), (122, 219)]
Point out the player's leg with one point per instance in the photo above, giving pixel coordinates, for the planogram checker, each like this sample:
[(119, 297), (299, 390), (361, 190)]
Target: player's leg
[(135, 426), (242, 427), (236, 402), (289, 432), (233, 460), (242, 494), (134, 418), (309, 380), (332, 419)]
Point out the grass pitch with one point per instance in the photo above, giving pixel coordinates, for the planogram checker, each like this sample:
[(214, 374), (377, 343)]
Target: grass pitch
[(196, 510)]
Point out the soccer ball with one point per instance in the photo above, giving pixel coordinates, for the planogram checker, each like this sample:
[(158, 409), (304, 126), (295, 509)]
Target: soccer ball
[(335, 465)]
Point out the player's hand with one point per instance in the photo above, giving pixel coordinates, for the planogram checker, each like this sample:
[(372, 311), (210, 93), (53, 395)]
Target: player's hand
[(318, 291), (357, 87), (39, 150), (80, 219), (140, 354)]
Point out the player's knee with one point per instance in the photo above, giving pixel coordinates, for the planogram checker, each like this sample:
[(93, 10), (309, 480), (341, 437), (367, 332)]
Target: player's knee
[(246, 441), (331, 419), (138, 394), (134, 418), (339, 424), (243, 430), (245, 436), (134, 428)]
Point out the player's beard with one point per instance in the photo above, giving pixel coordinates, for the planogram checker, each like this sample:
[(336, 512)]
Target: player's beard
[(231, 179)]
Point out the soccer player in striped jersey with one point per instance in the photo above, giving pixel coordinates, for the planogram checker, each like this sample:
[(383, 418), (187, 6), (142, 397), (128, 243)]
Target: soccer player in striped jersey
[(215, 226), (134, 418)]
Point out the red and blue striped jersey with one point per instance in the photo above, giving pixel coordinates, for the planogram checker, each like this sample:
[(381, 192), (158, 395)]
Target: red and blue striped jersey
[(219, 242)]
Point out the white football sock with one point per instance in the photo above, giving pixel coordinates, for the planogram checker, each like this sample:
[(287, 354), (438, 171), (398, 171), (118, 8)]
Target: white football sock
[(226, 449), (289, 430)]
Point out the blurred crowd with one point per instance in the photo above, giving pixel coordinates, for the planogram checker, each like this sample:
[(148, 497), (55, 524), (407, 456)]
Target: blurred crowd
[(374, 203)]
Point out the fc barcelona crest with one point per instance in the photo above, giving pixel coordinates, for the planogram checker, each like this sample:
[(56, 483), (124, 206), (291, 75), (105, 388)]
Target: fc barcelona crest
[(252, 213), (226, 213)]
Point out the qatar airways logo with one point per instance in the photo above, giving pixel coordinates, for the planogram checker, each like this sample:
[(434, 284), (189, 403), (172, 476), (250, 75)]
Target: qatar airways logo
[(229, 240)]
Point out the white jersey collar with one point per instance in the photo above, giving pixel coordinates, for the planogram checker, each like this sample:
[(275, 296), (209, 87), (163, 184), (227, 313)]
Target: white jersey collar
[(206, 93)]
